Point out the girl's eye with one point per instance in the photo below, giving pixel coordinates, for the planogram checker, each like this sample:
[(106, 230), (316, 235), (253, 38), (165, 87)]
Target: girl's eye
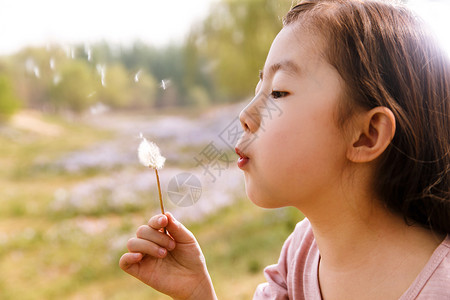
[(278, 94)]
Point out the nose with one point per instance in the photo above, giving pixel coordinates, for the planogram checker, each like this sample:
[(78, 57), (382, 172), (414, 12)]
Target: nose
[(250, 116)]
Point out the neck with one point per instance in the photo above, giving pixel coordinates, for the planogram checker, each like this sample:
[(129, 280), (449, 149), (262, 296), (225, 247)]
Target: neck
[(364, 248), (349, 239), (352, 228)]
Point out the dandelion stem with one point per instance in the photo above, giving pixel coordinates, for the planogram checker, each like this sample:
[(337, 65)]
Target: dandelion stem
[(160, 196), (159, 190)]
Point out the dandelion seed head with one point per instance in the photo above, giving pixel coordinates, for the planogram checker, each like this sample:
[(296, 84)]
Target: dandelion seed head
[(149, 155)]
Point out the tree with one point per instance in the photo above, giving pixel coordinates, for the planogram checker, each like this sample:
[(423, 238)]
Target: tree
[(76, 89), (236, 36), (143, 90), (9, 103), (115, 86)]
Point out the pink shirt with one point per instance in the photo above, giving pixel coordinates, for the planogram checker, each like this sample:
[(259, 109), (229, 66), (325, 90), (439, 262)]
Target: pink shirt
[(295, 275)]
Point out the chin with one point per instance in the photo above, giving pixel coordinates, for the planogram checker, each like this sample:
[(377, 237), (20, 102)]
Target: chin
[(260, 199), (259, 196)]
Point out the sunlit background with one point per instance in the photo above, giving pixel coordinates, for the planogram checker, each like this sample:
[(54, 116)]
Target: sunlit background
[(80, 81), (25, 22)]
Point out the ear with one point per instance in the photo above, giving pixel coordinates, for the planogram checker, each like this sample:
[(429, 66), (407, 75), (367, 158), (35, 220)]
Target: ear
[(374, 132)]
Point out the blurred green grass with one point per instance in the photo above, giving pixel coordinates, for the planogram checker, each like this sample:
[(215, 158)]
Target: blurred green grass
[(47, 254)]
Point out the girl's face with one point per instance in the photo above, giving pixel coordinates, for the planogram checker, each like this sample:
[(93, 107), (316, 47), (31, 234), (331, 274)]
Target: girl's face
[(292, 151)]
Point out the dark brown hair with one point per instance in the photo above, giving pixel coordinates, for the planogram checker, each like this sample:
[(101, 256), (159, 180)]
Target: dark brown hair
[(387, 57)]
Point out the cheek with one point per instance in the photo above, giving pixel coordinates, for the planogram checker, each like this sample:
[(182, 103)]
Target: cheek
[(285, 142), (300, 150)]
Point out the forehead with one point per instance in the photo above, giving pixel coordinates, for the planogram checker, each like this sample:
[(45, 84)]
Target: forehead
[(294, 48)]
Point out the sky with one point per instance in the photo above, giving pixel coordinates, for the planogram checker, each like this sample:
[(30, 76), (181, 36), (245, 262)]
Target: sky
[(436, 14), (42, 22), (158, 22)]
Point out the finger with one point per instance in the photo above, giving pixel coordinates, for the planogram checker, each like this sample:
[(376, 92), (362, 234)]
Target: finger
[(158, 222), (128, 262), (146, 247), (147, 233), (177, 230)]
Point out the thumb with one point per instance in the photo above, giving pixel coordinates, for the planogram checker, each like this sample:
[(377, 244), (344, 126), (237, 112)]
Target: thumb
[(178, 231)]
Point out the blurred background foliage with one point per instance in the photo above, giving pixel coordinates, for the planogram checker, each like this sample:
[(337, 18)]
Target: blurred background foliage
[(217, 63), (72, 190)]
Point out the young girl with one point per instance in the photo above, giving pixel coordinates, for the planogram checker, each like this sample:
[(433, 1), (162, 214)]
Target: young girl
[(361, 148)]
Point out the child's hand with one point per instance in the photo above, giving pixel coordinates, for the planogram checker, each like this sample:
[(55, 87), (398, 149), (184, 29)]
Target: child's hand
[(173, 265)]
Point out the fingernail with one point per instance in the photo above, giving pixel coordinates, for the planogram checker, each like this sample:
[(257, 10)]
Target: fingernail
[(161, 220), (162, 251)]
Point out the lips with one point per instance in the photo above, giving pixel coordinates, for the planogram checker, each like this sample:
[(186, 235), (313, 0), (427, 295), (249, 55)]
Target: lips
[(243, 159)]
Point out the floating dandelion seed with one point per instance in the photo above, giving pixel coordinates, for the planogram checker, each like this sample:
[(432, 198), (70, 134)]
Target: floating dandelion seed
[(52, 63), (136, 76), (102, 71), (91, 94), (88, 52), (150, 156), (103, 78), (165, 83), (30, 65), (36, 71)]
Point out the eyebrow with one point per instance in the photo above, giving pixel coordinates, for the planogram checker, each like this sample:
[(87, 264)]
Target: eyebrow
[(287, 65)]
